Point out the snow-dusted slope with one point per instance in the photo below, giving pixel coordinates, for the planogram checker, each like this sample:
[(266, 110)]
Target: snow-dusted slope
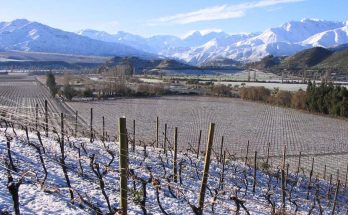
[(23, 35), (329, 38), (151, 169)]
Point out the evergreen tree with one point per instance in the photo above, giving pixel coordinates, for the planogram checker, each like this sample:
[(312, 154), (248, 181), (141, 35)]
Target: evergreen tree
[(51, 83)]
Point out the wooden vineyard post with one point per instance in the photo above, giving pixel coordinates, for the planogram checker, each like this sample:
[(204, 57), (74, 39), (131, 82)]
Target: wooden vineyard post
[(36, 115), (133, 146), (283, 180), (76, 115), (335, 199), (345, 183), (287, 174), (157, 130), (324, 175), (338, 175), (329, 190), (299, 164), (175, 173), (46, 118), (62, 131), (206, 167), (123, 164), (310, 178), (91, 126), (255, 166), (165, 139), (221, 148), (223, 171), (63, 155), (103, 126), (268, 148), (199, 143), (246, 155)]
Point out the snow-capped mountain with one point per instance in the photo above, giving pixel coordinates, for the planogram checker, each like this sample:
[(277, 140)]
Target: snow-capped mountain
[(196, 47), (23, 35)]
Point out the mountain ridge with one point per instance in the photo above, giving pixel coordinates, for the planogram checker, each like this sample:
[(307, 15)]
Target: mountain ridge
[(24, 35), (195, 48)]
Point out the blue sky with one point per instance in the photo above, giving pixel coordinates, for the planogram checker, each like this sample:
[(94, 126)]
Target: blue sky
[(176, 17)]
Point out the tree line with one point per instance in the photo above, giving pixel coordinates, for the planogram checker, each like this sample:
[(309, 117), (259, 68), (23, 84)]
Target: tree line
[(324, 98)]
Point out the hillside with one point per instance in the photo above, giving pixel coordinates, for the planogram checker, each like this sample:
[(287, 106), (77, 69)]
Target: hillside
[(338, 60), (307, 58), (222, 63), (314, 60), (44, 61), (94, 177), (140, 64)]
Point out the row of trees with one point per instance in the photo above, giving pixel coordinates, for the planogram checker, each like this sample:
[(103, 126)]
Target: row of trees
[(324, 98), (328, 99), (107, 90)]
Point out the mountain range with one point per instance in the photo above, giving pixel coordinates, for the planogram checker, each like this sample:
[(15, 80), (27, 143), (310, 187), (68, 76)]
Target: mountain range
[(196, 48)]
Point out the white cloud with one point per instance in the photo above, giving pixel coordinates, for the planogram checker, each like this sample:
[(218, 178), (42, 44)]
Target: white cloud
[(227, 11)]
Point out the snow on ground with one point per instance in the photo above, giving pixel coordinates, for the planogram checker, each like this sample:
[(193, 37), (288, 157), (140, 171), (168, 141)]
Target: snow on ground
[(53, 197)]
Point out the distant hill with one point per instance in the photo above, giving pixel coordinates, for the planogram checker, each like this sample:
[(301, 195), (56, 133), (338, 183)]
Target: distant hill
[(43, 61), (140, 64), (338, 59), (45, 65), (222, 63), (314, 60), (307, 58), (266, 63)]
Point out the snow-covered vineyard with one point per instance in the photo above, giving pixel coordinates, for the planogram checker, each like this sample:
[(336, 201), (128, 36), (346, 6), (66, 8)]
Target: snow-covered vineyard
[(36, 167)]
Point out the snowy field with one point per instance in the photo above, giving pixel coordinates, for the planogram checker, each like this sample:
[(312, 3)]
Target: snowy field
[(271, 86), (153, 169), (237, 120)]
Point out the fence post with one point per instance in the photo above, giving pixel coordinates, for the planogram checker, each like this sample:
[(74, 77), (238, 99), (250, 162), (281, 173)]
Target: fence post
[(206, 167), (76, 115), (165, 139), (157, 130), (246, 155), (46, 118), (283, 179), (199, 142), (345, 183), (36, 115), (299, 164), (123, 164), (175, 174), (221, 148), (222, 178), (103, 124), (329, 190), (91, 124), (335, 200), (62, 132), (255, 166), (310, 178), (133, 146), (268, 148)]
